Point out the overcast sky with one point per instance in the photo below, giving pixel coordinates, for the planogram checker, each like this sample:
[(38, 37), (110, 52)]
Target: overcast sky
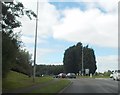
[(63, 24)]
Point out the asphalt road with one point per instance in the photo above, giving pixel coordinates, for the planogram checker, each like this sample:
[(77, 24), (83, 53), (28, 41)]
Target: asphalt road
[(85, 85)]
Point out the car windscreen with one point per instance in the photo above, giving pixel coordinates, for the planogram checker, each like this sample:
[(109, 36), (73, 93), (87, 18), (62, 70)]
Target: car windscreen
[(118, 71)]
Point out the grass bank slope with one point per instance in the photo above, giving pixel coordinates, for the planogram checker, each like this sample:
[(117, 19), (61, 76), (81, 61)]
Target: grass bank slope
[(16, 80)]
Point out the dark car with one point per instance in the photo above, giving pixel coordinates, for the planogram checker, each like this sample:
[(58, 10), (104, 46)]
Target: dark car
[(62, 75), (71, 75)]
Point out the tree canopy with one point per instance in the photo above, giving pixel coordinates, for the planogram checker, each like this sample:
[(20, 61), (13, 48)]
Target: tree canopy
[(49, 69), (23, 63), (73, 59), (11, 11)]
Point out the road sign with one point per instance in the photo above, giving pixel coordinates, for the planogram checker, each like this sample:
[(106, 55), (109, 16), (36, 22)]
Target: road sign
[(86, 71)]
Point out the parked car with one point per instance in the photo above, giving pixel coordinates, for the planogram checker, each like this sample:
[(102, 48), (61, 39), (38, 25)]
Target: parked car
[(71, 75), (111, 75), (62, 75), (116, 75)]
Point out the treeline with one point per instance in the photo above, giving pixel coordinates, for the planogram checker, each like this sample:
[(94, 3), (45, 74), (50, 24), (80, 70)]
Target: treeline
[(13, 56), (49, 69), (73, 59), (23, 63)]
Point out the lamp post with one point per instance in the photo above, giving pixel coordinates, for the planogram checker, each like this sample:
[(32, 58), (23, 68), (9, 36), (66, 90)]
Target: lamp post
[(34, 67), (82, 62)]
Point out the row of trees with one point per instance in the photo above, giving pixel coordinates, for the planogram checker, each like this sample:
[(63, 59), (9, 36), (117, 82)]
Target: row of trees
[(23, 63), (73, 59), (49, 69), (13, 57)]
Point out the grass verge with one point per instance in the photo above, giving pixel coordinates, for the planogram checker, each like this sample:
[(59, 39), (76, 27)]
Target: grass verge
[(0, 86), (101, 76), (53, 88), (93, 77), (16, 80)]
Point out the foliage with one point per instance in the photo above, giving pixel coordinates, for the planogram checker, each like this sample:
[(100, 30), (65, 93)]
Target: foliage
[(107, 73), (10, 48), (23, 63), (89, 59), (73, 59), (11, 11), (49, 69)]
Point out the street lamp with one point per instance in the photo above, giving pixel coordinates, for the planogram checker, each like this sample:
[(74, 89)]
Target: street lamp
[(34, 67), (82, 62)]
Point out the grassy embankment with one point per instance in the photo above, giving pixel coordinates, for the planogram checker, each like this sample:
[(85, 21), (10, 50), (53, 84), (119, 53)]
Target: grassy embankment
[(16, 80)]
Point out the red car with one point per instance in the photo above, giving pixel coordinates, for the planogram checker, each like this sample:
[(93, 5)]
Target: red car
[(62, 75)]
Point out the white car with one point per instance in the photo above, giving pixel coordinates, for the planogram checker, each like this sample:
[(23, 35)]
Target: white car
[(116, 75), (111, 75)]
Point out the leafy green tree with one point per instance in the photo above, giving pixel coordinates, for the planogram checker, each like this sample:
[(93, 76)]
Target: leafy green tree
[(10, 43)]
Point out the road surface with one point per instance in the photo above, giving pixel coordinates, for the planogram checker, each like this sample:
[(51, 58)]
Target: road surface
[(85, 85)]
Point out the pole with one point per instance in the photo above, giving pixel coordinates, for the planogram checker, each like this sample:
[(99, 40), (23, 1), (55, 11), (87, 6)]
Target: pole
[(34, 68), (82, 62)]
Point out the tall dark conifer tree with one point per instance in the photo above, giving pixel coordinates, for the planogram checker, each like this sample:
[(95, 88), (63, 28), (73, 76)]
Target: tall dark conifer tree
[(73, 59)]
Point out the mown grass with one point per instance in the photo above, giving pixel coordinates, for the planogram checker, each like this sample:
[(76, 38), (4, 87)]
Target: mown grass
[(53, 88), (0, 85), (101, 76), (16, 80), (0, 82), (93, 77)]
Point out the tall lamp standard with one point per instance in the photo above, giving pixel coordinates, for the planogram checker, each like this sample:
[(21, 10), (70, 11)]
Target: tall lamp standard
[(34, 67), (82, 63)]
